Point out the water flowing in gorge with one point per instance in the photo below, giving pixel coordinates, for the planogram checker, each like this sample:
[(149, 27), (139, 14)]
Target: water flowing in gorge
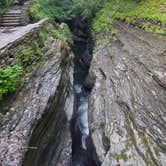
[(83, 152), (43, 146)]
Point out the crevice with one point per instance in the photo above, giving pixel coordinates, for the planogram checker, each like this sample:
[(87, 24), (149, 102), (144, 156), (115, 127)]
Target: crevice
[(49, 134), (83, 150)]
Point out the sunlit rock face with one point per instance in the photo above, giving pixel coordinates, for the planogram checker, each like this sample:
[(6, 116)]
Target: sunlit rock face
[(35, 122), (127, 107)]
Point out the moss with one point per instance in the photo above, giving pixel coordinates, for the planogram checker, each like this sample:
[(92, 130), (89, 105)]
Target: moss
[(157, 150), (42, 37), (4, 134), (153, 28), (27, 56), (64, 34), (148, 157), (149, 153), (120, 156), (37, 50)]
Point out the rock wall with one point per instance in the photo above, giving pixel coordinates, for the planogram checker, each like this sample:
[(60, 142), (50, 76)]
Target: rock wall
[(127, 106), (39, 113)]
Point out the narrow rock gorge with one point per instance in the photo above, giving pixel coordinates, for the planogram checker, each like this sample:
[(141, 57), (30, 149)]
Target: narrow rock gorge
[(83, 151), (88, 89)]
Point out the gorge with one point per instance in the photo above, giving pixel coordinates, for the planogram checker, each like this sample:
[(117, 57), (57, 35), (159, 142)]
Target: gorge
[(91, 90)]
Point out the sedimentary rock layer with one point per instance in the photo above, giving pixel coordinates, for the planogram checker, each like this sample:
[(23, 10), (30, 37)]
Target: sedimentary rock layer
[(127, 106)]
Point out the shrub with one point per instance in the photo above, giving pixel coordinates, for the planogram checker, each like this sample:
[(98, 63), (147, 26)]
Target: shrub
[(4, 5), (87, 9), (129, 11), (9, 78), (64, 9), (30, 55)]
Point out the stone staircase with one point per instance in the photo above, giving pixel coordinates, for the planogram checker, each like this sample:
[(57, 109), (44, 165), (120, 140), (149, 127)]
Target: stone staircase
[(15, 17)]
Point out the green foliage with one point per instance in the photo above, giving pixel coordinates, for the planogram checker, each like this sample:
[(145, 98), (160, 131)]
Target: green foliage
[(67, 33), (50, 8), (42, 38), (4, 5), (40, 9), (64, 9), (129, 10), (62, 32), (27, 55), (87, 8), (148, 9), (9, 78), (37, 51), (157, 28), (105, 16), (30, 55)]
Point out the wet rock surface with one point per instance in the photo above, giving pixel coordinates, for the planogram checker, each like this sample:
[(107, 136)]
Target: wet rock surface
[(83, 152), (127, 107), (36, 120)]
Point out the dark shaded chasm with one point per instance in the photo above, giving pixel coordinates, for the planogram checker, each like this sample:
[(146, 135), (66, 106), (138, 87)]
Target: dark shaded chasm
[(83, 151), (52, 126)]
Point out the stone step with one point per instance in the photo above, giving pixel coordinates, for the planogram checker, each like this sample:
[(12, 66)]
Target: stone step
[(11, 18), (14, 11), (10, 24), (11, 21), (12, 14), (4, 29)]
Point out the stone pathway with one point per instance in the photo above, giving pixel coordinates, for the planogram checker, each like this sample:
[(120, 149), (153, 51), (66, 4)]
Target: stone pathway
[(11, 25), (7, 36)]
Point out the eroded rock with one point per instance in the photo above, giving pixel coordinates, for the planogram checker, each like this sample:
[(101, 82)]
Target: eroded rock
[(36, 120), (127, 104)]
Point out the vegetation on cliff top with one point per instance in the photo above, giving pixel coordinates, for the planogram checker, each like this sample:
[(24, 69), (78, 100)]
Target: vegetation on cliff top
[(64, 9), (149, 14)]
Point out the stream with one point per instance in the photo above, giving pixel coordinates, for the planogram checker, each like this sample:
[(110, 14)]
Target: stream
[(83, 152), (82, 149), (45, 147)]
